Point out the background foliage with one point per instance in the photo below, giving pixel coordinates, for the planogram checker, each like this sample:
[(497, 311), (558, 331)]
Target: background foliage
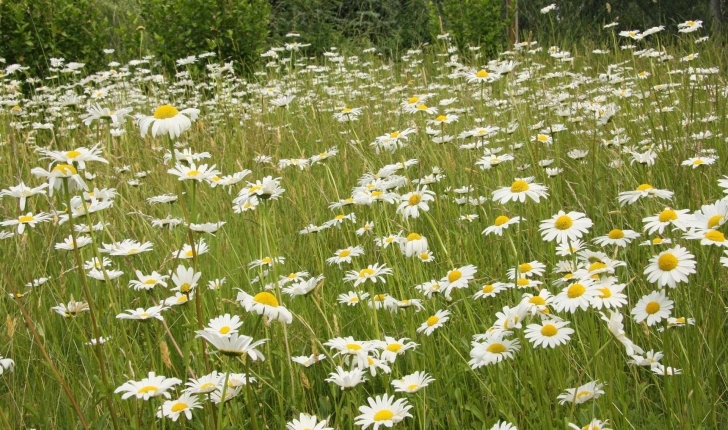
[(32, 31)]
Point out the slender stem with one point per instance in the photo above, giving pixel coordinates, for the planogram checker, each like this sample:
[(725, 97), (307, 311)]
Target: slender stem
[(248, 395)]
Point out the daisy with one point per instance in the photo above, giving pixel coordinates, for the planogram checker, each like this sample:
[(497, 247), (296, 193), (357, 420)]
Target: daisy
[(581, 394), (345, 255), (151, 386), (266, 262), (505, 425), (538, 303), (679, 219), (707, 237), (168, 120), (696, 162), (126, 247), (412, 383), (534, 268), (458, 278), (549, 334), (617, 237), (653, 308), (650, 359), (233, 344), (216, 284), (69, 244), (501, 223), (610, 295), (78, 156), (172, 409), (143, 314), (368, 227), (193, 172), (665, 371), (22, 192), (711, 216), (383, 411), (307, 422), (373, 273), (392, 348), (185, 279), (492, 350), (415, 201), (434, 322), (671, 267), (60, 174), (28, 219), (490, 290), (413, 244), (205, 384), (224, 325), (384, 242), (308, 361), (577, 295), (351, 298), (615, 325), (656, 241), (346, 379), (265, 303), (594, 424), (71, 310), (304, 287), (187, 251), (519, 190), (565, 227)]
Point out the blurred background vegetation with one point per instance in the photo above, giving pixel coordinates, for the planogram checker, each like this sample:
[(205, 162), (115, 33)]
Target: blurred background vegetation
[(33, 31)]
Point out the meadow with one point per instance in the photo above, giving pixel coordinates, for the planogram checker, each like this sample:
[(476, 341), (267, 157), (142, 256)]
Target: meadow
[(437, 240)]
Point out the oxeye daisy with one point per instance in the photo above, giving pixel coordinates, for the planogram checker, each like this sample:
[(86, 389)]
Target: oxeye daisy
[(707, 237), (564, 227), (205, 384), (524, 282), (151, 386), (383, 411), (569, 248), (412, 383), (126, 247), (143, 314), (168, 120), (413, 244), (581, 394), (346, 379), (665, 371), (233, 344), (434, 322), (617, 237), (27, 220), (308, 361), (458, 278), (549, 334), (266, 304), (501, 223), (504, 425), (656, 241), (172, 409), (594, 424), (533, 268), (671, 267), (577, 295), (392, 348), (307, 422), (492, 350), (538, 303), (224, 325), (345, 255), (696, 162), (352, 298), (415, 201), (653, 308), (610, 294), (643, 191), (711, 216), (679, 219), (490, 290), (615, 325), (185, 279), (372, 273), (519, 190)]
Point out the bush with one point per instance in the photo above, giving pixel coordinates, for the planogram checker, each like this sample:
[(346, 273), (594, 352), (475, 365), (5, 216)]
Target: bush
[(233, 29), (471, 22), (33, 31)]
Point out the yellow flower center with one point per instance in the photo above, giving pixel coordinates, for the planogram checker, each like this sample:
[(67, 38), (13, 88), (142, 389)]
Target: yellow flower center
[(413, 100), (537, 300), (564, 222), (65, 169), (523, 282), (597, 266), (432, 320), (72, 154), (412, 387), (346, 110), (353, 346), (225, 330), (667, 215), (542, 138), (266, 260), (549, 330), (376, 193), (383, 415), (25, 218), (698, 162), (185, 288), (144, 315), (178, 407), (165, 112), (657, 240), (425, 256), (414, 200), (189, 253), (576, 290), (501, 220), (394, 347), (339, 217), (193, 173), (715, 236), (496, 348), (488, 288), (354, 300), (380, 297), (616, 234), (581, 394), (525, 267), (147, 282), (394, 135), (441, 118), (454, 275), (652, 308), (366, 272), (266, 298), (606, 293), (148, 389), (519, 186), (715, 221), (482, 74), (254, 189), (413, 236), (344, 253), (422, 107), (206, 385), (182, 299), (667, 262)]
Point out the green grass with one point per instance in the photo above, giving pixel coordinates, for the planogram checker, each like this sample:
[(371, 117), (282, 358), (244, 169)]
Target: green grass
[(237, 123)]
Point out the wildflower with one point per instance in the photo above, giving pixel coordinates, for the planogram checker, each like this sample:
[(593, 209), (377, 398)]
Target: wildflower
[(151, 386), (671, 267), (519, 190), (501, 223), (233, 344), (185, 279), (549, 334), (413, 244), (412, 383), (373, 273), (143, 314), (308, 361), (565, 227), (224, 325), (383, 411), (581, 394), (265, 303), (168, 120), (653, 308), (126, 247), (679, 219), (617, 237), (307, 422), (28, 219), (434, 322), (492, 350), (346, 379), (172, 409), (415, 201)]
